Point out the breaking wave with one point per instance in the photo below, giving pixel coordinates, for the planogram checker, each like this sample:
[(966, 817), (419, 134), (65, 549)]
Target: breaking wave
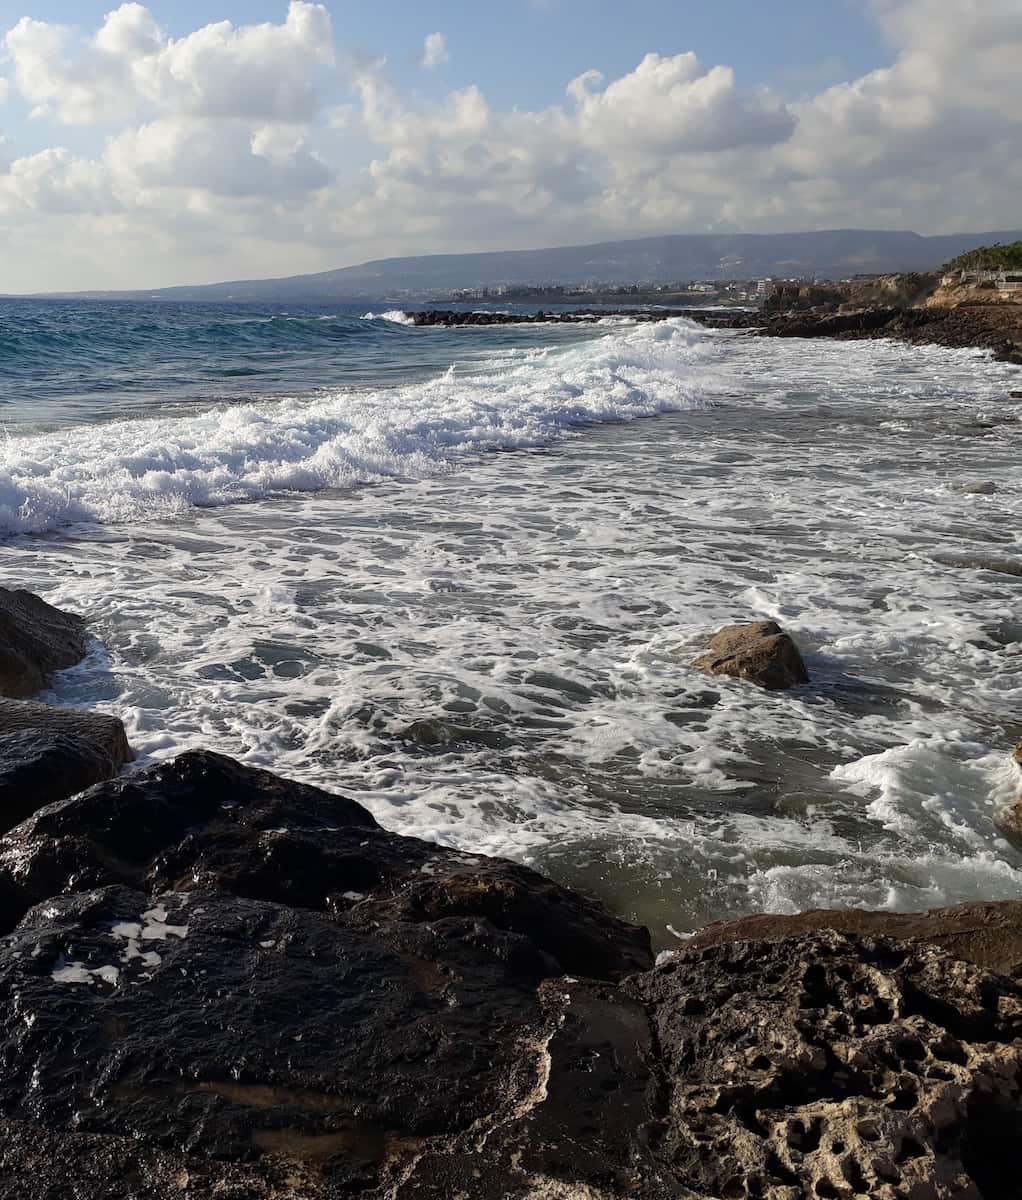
[(123, 471)]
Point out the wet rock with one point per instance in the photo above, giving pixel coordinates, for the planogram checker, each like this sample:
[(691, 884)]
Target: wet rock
[(39, 767), (985, 488), (35, 640), (829, 1065), (761, 653), (206, 821), (48, 753), (236, 1028), (988, 934)]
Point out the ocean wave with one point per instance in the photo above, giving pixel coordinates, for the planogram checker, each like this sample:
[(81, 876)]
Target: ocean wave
[(396, 316), (125, 471)]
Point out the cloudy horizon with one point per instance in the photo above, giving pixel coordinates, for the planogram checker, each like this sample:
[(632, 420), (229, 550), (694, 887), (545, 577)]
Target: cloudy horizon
[(146, 147)]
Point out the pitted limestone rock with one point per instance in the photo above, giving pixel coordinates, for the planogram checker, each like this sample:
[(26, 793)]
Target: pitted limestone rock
[(837, 1066)]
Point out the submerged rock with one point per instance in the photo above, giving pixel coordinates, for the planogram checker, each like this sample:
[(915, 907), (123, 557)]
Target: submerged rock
[(35, 640), (829, 1065), (761, 653)]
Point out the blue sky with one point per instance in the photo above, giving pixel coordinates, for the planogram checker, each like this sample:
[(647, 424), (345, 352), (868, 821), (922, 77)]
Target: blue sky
[(146, 144)]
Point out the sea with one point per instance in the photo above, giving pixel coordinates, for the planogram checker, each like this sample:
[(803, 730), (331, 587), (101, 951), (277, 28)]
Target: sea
[(461, 575)]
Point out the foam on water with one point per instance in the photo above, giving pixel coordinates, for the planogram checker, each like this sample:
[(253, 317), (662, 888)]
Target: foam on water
[(397, 316), (127, 471), (492, 651)]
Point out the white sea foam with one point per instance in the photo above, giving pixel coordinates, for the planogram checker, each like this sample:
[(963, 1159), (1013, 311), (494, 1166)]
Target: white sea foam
[(396, 316), (132, 470), (539, 612)]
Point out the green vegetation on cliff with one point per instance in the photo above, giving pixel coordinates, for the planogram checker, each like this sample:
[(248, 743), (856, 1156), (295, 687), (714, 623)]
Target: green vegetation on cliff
[(999, 257)]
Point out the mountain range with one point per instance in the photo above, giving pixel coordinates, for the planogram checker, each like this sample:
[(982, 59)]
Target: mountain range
[(830, 254)]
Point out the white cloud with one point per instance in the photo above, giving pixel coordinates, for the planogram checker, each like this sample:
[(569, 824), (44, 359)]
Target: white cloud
[(673, 105), (434, 51), (228, 154), (130, 67)]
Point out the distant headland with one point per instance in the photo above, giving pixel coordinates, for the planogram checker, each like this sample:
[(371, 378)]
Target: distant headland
[(673, 263)]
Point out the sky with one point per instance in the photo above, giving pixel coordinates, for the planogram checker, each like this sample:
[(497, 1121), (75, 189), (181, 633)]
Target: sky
[(144, 145)]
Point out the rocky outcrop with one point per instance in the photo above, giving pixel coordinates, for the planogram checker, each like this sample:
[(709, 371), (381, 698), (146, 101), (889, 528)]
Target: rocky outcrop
[(450, 318), (760, 653), (35, 640), (222, 985), (836, 1066), (206, 821), (47, 754), (997, 328), (988, 934)]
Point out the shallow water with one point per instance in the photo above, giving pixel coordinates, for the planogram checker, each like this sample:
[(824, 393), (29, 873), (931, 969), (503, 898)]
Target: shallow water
[(490, 649)]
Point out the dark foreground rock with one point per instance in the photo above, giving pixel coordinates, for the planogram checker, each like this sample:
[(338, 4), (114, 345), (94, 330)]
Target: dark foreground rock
[(35, 640), (49, 753), (206, 821), (234, 987), (760, 653)]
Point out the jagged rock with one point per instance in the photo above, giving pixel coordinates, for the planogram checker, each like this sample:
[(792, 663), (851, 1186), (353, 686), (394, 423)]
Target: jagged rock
[(761, 653), (835, 1066), (988, 934), (39, 767), (204, 820), (35, 639)]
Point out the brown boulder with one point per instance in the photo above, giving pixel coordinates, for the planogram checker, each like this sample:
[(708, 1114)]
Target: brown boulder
[(35, 639), (988, 934), (761, 653)]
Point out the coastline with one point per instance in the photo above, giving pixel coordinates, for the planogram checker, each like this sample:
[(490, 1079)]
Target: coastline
[(271, 996), (997, 328)]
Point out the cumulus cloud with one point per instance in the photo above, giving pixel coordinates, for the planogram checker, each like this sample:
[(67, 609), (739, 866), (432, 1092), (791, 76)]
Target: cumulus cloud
[(673, 105), (230, 150), (130, 66), (434, 51)]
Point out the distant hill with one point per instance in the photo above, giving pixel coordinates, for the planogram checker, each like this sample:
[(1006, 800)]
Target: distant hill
[(832, 254)]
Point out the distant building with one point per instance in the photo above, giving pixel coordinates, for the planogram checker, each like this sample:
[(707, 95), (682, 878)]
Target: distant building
[(1005, 281)]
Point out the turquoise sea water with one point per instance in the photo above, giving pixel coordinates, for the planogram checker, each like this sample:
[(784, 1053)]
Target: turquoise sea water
[(69, 362)]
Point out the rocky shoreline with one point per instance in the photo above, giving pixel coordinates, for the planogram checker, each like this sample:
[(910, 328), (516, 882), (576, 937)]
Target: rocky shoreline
[(997, 328), (223, 984)]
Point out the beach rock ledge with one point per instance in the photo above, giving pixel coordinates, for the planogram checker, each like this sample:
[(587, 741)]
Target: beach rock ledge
[(221, 984)]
